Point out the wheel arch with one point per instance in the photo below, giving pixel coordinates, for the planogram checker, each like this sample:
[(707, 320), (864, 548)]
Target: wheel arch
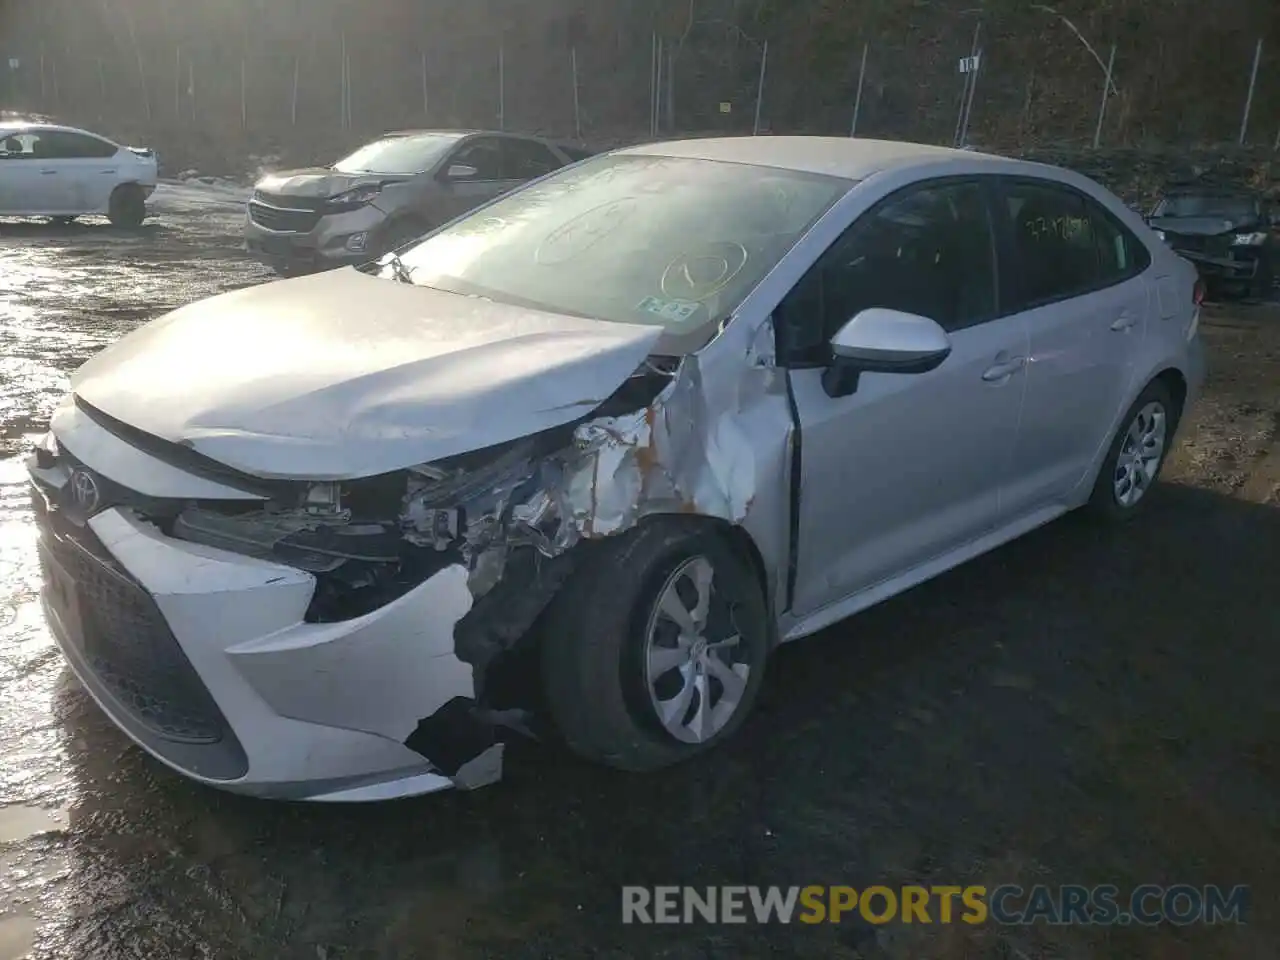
[(1173, 379), (738, 537), (521, 635)]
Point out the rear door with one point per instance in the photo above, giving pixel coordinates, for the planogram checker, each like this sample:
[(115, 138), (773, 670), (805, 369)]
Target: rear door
[(1079, 280), (88, 169)]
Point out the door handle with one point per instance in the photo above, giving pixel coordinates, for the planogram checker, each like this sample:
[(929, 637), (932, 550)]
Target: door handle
[(1124, 323), (1005, 370), (47, 173)]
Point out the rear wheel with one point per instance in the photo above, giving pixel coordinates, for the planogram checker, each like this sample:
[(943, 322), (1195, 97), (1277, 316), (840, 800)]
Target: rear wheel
[(1136, 455), (655, 652), (128, 206)]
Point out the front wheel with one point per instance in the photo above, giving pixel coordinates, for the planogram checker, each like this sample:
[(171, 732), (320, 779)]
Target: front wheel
[(655, 651), (1136, 455), (127, 206)]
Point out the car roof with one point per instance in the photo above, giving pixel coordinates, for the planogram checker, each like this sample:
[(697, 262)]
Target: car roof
[(848, 157), (10, 127), (456, 134)]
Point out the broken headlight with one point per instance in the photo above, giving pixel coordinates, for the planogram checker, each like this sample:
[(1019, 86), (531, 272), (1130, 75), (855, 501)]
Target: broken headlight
[(356, 197), (467, 498), (1249, 239)]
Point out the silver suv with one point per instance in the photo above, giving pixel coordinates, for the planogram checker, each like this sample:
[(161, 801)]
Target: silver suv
[(387, 193)]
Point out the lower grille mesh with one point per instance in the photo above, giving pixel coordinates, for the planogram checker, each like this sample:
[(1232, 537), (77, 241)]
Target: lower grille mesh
[(127, 643)]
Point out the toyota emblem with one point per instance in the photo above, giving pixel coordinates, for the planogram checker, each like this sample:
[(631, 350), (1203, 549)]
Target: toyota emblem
[(84, 491)]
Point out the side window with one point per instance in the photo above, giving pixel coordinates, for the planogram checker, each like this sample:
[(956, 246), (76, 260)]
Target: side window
[(928, 251), (485, 155), (17, 146), (528, 159), (64, 145), (1120, 254), (1056, 245)]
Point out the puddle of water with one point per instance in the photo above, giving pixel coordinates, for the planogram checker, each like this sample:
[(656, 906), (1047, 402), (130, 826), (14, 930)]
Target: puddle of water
[(19, 822), (17, 934)]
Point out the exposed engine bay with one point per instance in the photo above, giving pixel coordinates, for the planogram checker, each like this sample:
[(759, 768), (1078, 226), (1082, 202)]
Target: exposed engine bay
[(368, 541)]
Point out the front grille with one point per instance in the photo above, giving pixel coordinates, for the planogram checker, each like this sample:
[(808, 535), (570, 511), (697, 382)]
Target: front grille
[(126, 642), (270, 216), (1192, 243)]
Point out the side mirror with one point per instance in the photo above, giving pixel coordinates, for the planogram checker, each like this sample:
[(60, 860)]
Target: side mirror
[(883, 341), (461, 171)]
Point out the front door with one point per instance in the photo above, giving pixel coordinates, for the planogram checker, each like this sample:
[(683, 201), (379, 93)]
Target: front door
[(1085, 300), (29, 183), (459, 194), (909, 466)]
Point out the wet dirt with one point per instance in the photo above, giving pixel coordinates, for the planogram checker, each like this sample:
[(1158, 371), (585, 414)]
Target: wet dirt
[(1086, 705)]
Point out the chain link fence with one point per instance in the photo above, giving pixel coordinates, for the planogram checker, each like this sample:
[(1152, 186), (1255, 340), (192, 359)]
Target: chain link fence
[(1014, 82)]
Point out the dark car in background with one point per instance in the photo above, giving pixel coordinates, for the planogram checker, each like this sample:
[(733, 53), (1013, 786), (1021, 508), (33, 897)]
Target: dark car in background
[(1229, 234), (387, 193)]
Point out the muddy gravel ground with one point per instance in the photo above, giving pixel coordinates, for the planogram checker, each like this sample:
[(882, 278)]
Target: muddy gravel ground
[(1084, 706)]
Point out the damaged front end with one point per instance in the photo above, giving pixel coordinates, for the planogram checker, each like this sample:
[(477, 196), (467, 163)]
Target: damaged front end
[(509, 515), (415, 588)]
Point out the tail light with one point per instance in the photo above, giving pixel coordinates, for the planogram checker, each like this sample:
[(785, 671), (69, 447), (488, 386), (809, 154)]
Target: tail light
[(1197, 297)]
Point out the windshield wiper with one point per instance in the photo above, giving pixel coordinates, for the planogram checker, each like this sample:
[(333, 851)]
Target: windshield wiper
[(398, 268)]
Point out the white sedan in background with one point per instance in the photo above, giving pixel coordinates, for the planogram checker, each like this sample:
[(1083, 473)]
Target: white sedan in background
[(48, 170)]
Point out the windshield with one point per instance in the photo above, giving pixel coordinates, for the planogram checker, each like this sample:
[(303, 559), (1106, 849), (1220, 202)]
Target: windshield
[(632, 239), (398, 156), (1208, 205)]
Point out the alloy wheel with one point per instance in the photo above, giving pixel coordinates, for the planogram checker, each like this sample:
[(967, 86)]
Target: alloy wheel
[(1140, 454), (695, 664)]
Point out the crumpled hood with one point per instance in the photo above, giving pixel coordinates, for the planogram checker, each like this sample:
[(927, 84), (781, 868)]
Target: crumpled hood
[(343, 375), (317, 182), (1201, 226)]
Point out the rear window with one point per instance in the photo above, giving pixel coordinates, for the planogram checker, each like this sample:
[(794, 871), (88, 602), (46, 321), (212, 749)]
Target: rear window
[(1216, 206), (576, 153)]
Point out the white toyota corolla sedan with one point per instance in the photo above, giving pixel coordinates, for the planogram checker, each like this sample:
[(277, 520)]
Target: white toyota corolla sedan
[(591, 452), (48, 170)]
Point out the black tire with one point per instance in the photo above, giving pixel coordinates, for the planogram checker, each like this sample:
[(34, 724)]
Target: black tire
[(128, 206), (1105, 502), (595, 635)]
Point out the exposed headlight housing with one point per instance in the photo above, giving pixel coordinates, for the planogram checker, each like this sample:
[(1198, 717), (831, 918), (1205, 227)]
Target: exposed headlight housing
[(356, 197), (1249, 239)]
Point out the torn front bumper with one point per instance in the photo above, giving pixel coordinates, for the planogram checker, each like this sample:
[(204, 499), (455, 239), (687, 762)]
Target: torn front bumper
[(327, 240), (204, 659), (1244, 267)]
